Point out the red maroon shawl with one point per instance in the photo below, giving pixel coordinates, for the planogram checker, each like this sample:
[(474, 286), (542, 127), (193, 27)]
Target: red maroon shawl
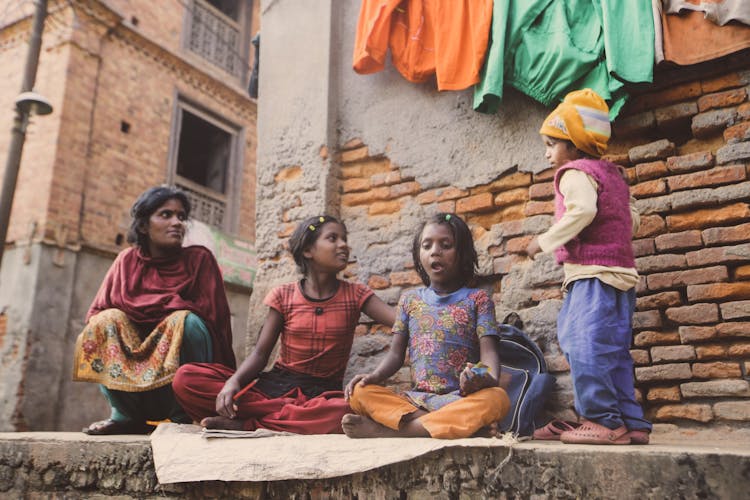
[(148, 289)]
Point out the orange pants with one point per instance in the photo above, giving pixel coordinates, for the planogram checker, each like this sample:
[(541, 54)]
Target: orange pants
[(459, 419)]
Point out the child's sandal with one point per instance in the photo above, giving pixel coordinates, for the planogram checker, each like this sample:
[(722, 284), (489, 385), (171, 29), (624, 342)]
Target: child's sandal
[(553, 430), (592, 433)]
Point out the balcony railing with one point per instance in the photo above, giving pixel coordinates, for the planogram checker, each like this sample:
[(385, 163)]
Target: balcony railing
[(205, 208), (215, 37)]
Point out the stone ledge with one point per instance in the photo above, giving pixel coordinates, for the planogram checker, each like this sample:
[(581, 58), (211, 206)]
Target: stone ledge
[(71, 465)]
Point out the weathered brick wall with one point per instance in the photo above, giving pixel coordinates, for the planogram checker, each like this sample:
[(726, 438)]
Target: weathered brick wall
[(686, 148), (97, 80), (692, 323)]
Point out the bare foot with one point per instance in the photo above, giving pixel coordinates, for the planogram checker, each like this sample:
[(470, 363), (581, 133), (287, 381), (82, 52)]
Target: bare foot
[(222, 423), (357, 426)]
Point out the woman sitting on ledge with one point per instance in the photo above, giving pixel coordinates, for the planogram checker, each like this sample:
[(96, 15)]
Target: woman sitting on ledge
[(161, 305)]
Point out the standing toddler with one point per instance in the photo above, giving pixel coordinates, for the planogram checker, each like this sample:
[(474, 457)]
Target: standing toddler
[(595, 220)]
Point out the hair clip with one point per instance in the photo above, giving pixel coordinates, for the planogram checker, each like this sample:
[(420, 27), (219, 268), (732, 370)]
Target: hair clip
[(447, 217), (316, 225)]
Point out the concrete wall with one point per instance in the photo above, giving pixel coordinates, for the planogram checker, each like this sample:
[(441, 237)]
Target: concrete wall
[(16, 297), (295, 137), (36, 296), (72, 466)]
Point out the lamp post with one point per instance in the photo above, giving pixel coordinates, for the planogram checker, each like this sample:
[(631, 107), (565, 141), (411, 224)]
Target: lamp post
[(27, 102)]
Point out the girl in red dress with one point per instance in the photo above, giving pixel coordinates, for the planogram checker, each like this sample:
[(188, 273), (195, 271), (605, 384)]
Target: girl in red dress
[(314, 319)]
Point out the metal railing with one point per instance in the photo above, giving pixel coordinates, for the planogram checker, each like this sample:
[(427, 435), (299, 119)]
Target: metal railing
[(215, 37)]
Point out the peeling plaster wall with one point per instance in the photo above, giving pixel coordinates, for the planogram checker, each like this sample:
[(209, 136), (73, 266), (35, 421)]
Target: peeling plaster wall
[(436, 137), (311, 102), (294, 135)]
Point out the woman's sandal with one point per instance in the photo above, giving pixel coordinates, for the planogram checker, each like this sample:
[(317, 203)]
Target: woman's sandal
[(552, 431), (109, 427), (592, 433)]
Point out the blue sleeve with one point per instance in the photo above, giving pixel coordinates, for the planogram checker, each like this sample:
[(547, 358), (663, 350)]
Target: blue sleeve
[(486, 321), (401, 325)]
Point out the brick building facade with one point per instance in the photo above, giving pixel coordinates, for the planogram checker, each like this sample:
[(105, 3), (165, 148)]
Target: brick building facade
[(140, 89), (383, 153)]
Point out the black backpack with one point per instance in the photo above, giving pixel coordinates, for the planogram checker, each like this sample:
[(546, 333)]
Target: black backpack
[(525, 378)]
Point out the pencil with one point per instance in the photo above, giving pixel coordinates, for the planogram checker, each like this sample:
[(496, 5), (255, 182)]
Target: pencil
[(244, 390)]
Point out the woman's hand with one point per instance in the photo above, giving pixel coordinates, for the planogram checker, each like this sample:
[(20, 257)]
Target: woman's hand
[(361, 379), (471, 381), (224, 400)]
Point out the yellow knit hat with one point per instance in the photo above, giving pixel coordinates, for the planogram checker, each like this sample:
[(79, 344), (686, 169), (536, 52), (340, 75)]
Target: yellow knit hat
[(583, 119)]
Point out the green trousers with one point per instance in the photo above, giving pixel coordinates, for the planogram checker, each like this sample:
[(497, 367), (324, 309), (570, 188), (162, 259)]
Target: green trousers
[(160, 404)]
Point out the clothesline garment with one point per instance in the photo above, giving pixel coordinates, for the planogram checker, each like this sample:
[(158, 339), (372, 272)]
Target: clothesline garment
[(716, 11), (690, 36), (546, 48), (445, 38)]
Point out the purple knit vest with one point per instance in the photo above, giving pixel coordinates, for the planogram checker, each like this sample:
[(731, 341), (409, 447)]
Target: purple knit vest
[(607, 240)]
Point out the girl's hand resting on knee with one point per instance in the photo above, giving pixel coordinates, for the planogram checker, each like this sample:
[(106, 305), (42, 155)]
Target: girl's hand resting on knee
[(224, 400), (361, 379), (475, 377)]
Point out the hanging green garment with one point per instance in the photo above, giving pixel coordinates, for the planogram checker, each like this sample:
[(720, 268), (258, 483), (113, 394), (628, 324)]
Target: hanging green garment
[(546, 48)]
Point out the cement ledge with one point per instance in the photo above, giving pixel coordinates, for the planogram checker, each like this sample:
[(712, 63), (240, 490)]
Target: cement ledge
[(73, 465)]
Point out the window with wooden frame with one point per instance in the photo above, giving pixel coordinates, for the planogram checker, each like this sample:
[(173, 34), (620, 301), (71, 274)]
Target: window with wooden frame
[(219, 31), (205, 162)]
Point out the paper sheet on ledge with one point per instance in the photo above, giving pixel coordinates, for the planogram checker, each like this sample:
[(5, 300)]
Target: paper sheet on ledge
[(181, 454)]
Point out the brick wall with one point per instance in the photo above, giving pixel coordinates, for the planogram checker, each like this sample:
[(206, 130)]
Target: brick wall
[(686, 148), (80, 171), (692, 325)]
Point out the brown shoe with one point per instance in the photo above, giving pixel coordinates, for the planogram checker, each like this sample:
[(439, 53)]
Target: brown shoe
[(593, 433)]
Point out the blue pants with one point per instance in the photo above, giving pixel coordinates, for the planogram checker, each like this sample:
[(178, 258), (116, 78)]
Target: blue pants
[(595, 330), (160, 404)]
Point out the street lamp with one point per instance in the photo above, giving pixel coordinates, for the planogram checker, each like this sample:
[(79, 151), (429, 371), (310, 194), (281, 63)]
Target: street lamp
[(33, 103), (27, 102)]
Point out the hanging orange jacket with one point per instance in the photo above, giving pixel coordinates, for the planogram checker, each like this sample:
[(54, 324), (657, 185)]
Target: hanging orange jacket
[(426, 37)]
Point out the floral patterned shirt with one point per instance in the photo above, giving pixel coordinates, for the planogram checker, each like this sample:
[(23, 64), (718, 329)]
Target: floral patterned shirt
[(444, 333)]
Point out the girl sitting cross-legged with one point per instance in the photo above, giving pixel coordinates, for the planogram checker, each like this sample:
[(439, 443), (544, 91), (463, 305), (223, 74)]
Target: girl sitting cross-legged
[(448, 328), (315, 320)]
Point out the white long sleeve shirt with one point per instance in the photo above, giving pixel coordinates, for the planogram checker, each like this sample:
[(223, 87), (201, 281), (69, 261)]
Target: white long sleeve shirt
[(580, 192)]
